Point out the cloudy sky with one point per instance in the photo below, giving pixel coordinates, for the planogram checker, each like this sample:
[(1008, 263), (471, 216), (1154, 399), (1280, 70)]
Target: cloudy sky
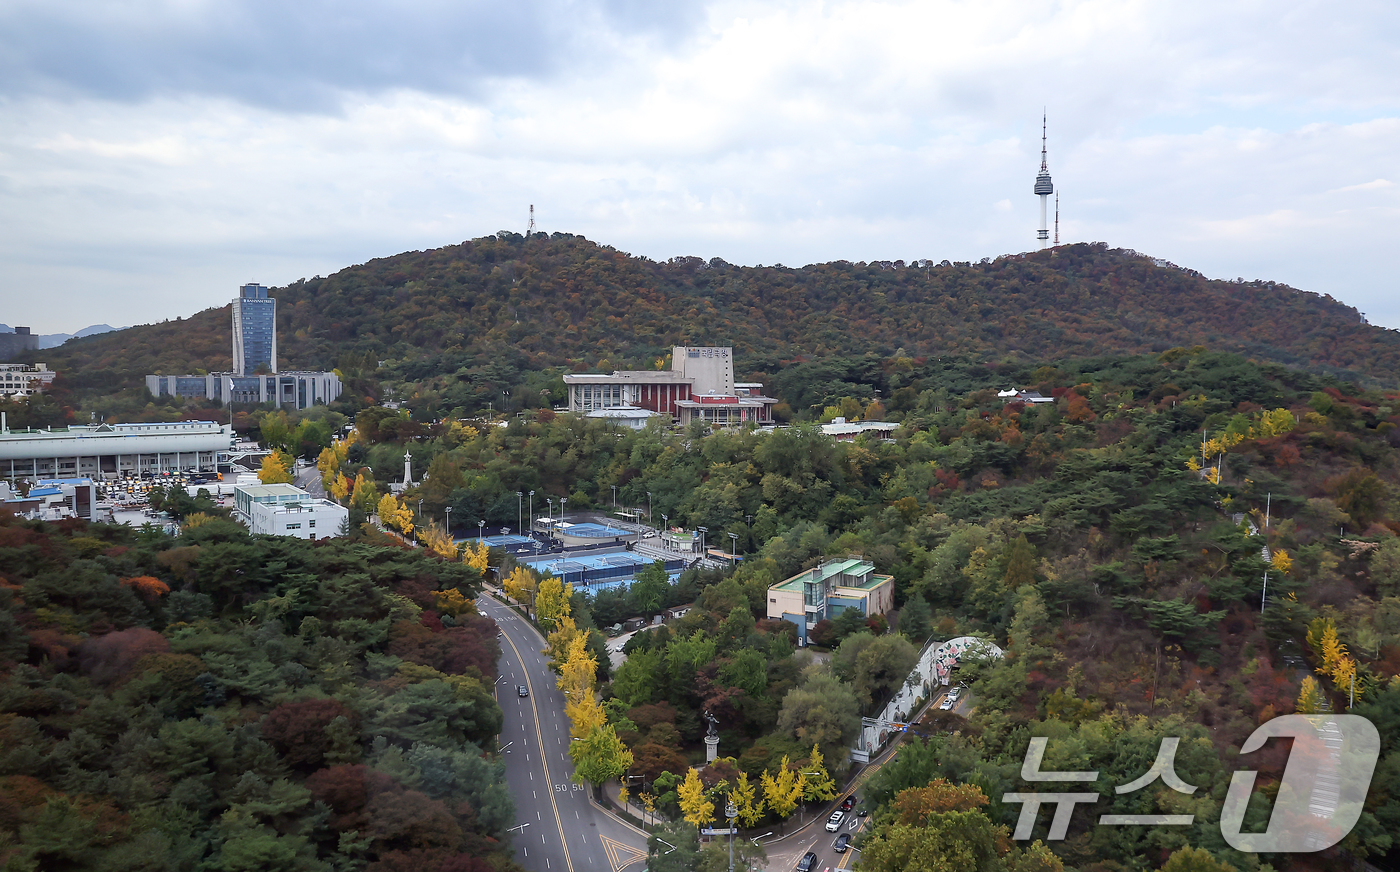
[(154, 154)]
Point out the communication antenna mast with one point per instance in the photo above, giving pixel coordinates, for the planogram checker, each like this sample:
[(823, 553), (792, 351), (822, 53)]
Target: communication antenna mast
[(1057, 219), (1043, 187), (530, 231)]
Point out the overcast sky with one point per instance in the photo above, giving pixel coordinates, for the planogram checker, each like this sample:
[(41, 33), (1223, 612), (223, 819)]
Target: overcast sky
[(155, 154)]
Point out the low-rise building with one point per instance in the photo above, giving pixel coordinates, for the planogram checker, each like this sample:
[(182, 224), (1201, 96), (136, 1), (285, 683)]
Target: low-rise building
[(828, 590), (24, 379), (111, 451), (285, 510), (699, 386), (296, 389), (846, 431)]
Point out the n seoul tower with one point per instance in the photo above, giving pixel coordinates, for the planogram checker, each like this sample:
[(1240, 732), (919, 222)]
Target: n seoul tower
[(1043, 188)]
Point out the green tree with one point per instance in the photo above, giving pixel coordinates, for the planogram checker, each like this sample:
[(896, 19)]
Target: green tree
[(599, 757), (1020, 563), (823, 711), (916, 619), (1189, 859)]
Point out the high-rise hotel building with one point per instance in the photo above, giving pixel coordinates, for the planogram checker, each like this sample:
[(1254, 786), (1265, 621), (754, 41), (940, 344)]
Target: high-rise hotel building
[(254, 331)]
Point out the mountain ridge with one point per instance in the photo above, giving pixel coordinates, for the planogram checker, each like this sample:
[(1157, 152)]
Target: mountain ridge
[(563, 301)]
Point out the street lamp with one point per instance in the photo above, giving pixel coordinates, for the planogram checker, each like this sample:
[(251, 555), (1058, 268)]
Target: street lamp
[(649, 509), (703, 531), (665, 522), (551, 516), (563, 501), (449, 522), (480, 533), (420, 511), (614, 487), (518, 495), (731, 811), (532, 513), (733, 546)]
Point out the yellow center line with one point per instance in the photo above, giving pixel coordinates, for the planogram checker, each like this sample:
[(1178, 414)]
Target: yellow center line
[(539, 737)]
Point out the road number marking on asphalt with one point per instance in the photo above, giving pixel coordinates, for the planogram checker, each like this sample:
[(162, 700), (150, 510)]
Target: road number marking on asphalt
[(561, 788)]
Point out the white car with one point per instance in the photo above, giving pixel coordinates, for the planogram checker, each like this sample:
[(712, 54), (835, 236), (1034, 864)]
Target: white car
[(947, 702), (833, 823)]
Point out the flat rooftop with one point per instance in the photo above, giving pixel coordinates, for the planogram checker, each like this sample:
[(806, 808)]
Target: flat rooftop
[(835, 568)]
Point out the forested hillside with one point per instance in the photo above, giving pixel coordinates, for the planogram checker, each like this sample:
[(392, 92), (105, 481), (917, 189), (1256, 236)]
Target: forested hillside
[(220, 701), (1112, 542), (469, 320)]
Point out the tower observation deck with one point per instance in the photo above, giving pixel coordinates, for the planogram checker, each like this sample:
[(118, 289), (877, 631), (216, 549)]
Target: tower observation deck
[(1043, 187)]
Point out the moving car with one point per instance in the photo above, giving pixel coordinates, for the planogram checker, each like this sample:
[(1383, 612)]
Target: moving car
[(522, 690), (848, 802), (833, 823), (947, 702), (842, 842), (808, 860)]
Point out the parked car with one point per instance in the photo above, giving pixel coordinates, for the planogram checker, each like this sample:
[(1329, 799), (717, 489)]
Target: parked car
[(842, 842), (947, 703), (808, 860), (522, 690), (833, 823)]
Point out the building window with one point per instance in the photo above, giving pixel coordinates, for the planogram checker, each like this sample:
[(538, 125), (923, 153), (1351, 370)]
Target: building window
[(311, 524), (294, 526)]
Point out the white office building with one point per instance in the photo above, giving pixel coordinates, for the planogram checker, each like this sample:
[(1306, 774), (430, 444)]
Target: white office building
[(284, 510)]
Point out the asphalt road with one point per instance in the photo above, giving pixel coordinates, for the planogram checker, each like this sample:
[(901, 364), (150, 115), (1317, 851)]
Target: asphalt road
[(558, 826), (783, 856)]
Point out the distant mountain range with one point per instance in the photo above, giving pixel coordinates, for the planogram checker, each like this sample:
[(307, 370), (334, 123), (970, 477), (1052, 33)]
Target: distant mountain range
[(564, 301), (53, 340)]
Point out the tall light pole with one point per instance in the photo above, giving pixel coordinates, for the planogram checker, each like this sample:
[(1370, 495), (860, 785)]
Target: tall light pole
[(614, 487), (420, 511), (649, 523), (449, 521), (551, 517), (703, 531), (532, 514), (518, 495), (563, 501), (480, 532), (665, 522), (731, 812), (733, 546)]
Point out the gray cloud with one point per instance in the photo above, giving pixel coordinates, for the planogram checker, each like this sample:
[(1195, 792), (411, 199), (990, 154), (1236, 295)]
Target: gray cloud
[(307, 55)]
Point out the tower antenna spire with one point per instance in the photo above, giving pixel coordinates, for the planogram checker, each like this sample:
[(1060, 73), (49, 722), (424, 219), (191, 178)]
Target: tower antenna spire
[(1043, 187), (1057, 219), (1044, 119), (530, 231)]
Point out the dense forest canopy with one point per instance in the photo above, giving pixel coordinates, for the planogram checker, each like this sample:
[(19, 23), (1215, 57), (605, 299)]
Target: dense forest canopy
[(467, 321), (214, 699)]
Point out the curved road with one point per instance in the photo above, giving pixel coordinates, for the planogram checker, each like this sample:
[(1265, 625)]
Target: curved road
[(558, 827)]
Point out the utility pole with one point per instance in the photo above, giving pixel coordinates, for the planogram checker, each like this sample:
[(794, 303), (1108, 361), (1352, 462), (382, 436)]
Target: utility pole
[(530, 231)]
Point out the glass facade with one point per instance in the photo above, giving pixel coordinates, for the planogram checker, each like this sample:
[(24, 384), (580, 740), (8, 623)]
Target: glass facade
[(590, 397), (254, 331)]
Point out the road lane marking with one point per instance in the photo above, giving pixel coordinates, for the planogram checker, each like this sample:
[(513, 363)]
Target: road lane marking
[(620, 854), (563, 840)]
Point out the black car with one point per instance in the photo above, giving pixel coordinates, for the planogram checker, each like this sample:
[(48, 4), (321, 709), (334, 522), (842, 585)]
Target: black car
[(842, 842), (522, 690), (808, 860)]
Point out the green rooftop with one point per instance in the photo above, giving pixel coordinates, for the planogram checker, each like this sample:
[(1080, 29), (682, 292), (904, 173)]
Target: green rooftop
[(859, 573)]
